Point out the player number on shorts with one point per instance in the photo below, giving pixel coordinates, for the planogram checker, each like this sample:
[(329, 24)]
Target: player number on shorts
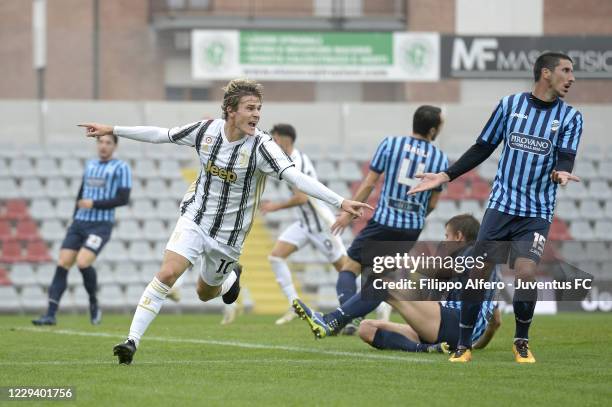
[(408, 179), (224, 266), (538, 243)]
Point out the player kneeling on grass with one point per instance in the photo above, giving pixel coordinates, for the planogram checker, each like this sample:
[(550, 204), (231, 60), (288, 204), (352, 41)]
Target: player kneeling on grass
[(235, 157), (433, 326), (429, 322)]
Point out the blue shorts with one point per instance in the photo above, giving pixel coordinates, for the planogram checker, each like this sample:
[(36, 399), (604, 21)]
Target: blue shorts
[(506, 237), (376, 231), (90, 235)]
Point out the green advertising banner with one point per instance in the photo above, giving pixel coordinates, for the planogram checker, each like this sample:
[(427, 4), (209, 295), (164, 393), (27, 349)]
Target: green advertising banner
[(316, 56)]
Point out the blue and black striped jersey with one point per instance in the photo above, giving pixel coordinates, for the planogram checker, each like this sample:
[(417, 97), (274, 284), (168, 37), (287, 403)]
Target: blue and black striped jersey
[(400, 159), (101, 181), (533, 134)]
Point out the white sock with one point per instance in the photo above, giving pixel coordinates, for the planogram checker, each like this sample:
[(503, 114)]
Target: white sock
[(283, 277), (229, 281), (148, 307)]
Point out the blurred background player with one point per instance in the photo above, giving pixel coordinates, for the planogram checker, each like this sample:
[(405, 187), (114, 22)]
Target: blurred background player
[(433, 326), (397, 217), (106, 185), (235, 157), (313, 222), (540, 134)]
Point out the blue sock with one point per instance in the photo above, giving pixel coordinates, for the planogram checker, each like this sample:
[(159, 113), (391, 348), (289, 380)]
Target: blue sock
[(523, 312), (346, 286), (90, 281), (469, 313), (355, 307), (56, 289), (395, 341)]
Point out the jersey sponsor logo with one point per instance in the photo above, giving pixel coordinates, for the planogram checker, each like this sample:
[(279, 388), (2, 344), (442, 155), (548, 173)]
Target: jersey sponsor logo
[(93, 182), (402, 205), (244, 158), (530, 144), (519, 116), (225, 175)]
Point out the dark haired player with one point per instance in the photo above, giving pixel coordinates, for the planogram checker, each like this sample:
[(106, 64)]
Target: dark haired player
[(313, 220), (106, 185), (396, 218), (433, 326), (540, 135)]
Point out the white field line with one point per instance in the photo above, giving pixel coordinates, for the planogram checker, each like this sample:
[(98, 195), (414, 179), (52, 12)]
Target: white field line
[(246, 345)]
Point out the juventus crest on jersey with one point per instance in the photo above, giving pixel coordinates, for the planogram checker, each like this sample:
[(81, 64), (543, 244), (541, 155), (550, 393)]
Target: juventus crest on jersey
[(226, 194)]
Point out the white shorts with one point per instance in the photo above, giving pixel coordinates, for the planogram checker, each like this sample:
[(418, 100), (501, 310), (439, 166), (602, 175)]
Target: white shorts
[(325, 242), (191, 242)]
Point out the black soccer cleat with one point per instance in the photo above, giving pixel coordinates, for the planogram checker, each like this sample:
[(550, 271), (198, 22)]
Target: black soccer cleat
[(232, 294), (44, 320), (125, 352), (95, 315)]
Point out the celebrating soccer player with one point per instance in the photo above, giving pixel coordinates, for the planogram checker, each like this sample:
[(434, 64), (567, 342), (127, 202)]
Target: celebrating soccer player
[(106, 185), (397, 216), (313, 222), (235, 159), (540, 134)]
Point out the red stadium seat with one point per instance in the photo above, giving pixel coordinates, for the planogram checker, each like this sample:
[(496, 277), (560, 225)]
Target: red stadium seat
[(365, 168), (16, 209), (27, 230), (470, 176), (37, 252), (455, 190), (480, 190), (4, 279), (559, 230), (6, 231), (11, 252)]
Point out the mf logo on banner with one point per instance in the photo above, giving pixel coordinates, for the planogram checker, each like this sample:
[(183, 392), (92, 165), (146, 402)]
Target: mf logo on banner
[(316, 56), (513, 57)]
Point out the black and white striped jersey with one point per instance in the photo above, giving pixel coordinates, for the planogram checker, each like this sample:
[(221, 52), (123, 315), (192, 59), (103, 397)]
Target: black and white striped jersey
[(227, 192), (315, 215)]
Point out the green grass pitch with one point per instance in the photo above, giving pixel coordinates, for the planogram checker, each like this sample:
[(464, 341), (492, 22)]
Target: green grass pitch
[(189, 360)]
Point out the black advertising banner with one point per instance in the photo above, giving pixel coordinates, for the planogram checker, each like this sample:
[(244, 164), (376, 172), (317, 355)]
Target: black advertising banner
[(493, 57)]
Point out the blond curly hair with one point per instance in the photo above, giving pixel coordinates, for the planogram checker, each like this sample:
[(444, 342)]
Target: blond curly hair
[(236, 89)]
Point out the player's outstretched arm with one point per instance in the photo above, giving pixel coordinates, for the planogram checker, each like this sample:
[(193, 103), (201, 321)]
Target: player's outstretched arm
[(148, 134), (429, 181), (314, 188), (342, 221), (96, 129)]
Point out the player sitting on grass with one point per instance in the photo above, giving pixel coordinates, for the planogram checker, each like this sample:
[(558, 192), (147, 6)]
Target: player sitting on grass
[(433, 326), (433, 322), (235, 157)]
